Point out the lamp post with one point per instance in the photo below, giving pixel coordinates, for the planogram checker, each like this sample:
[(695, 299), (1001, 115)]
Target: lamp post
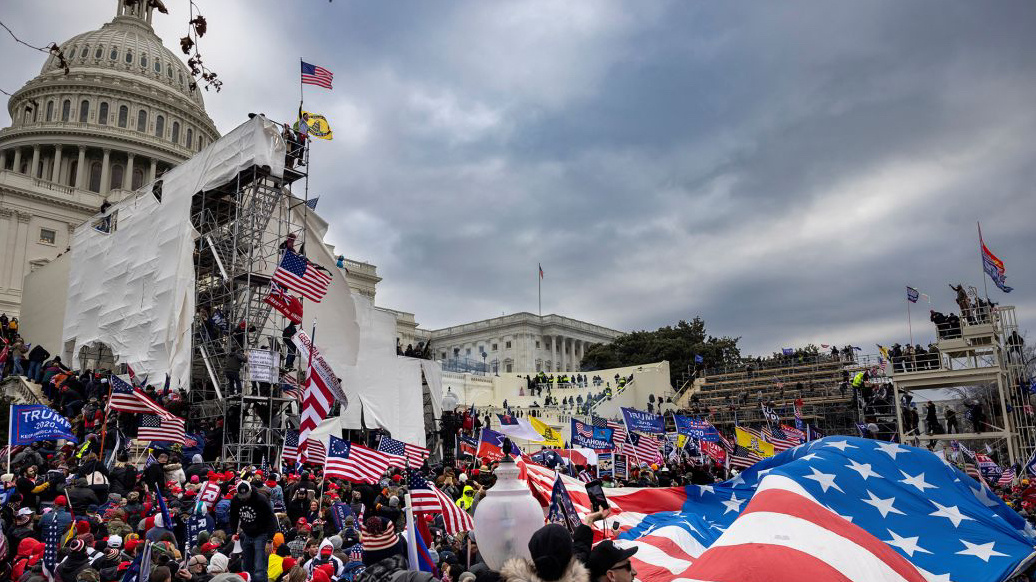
[(485, 369), (506, 519)]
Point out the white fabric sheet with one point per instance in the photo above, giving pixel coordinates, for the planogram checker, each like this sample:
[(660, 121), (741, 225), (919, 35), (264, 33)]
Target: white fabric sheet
[(133, 289), (433, 377)]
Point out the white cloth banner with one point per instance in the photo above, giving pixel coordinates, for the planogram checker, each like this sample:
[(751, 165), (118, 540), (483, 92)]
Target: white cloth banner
[(320, 366)]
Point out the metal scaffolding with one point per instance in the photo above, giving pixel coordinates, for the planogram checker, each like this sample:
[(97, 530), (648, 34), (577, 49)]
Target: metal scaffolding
[(242, 227)]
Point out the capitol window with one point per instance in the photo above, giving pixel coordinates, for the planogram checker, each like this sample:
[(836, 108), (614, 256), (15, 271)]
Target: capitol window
[(47, 236), (123, 116), (129, 57), (142, 121), (117, 175), (99, 52), (160, 126), (507, 345), (143, 61), (102, 113), (95, 177), (85, 52), (84, 111), (50, 110), (169, 70), (66, 110), (114, 54), (176, 132), (190, 137), (495, 347), (158, 66)]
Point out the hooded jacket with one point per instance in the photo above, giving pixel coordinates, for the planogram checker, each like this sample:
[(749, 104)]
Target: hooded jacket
[(521, 570), (30, 552), (467, 499), (320, 560)]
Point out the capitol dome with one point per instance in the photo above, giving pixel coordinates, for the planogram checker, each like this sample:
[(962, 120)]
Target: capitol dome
[(123, 114)]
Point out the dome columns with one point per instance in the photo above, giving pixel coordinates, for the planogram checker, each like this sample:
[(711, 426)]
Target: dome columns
[(34, 167), (81, 169), (106, 171), (55, 176), (127, 176)]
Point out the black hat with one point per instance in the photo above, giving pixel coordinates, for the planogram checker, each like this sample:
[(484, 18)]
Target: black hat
[(551, 551), (605, 555)]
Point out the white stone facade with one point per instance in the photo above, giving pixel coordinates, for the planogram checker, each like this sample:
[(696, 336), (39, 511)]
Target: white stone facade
[(124, 114), (521, 342)]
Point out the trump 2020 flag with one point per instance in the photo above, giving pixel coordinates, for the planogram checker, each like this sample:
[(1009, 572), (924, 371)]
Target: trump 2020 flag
[(36, 422), (562, 511), (640, 421)]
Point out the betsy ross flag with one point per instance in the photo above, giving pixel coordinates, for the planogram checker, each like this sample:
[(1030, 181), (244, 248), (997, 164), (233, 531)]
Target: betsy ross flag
[(413, 454), (354, 462), (993, 266), (425, 497), (314, 75), (127, 398), (296, 272), (157, 428)]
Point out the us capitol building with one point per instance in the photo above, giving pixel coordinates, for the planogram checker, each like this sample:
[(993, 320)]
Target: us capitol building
[(124, 114)]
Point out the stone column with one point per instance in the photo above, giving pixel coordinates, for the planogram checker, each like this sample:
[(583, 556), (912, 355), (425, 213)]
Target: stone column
[(3, 160), (127, 176), (106, 171), (81, 170), (154, 168), (21, 242), (7, 226), (560, 349), (56, 174), (17, 167), (35, 165)]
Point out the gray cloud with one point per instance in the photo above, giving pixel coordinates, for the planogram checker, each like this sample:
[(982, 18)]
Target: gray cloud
[(782, 169)]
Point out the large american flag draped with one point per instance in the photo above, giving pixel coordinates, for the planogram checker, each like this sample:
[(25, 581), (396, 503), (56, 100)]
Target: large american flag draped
[(128, 398), (840, 508), (354, 462), (412, 455), (426, 497), (156, 428), (314, 75), (296, 272)]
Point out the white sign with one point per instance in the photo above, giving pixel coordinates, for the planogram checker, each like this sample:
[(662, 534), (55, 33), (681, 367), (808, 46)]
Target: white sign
[(263, 366)]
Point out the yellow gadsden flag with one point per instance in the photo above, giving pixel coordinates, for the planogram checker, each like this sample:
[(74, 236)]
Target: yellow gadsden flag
[(551, 437), (754, 442), (318, 125)]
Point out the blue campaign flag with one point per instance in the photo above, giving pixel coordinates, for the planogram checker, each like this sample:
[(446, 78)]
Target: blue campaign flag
[(640, 421), (696, 428), (562, 511), (36, 422), (167, 521), (592, 437), (548, 458), (698, 359), (340, 511), (788, 351)]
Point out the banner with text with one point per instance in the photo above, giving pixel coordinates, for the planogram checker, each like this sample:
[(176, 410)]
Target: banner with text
[(696, 428), (592, 437), (36, 422), (640, 421)]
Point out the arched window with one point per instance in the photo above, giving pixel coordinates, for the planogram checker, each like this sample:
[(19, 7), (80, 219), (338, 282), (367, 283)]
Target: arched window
[(158, 66), (117, 173), (84, 111), (138, 178), (199, 142), (66, 110), (181, 77), (50, 110), (84, 53), (73, 168), (95, 177), (27, 118), (102, 113), (129, 57), (190, 137), (175, 137), (143, 61), (123, 115), (169, 70), (114, 55), (142, 121), (99, 52), (160, 126)]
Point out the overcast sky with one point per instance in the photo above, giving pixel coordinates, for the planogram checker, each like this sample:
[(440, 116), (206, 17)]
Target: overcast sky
[(782, 169)]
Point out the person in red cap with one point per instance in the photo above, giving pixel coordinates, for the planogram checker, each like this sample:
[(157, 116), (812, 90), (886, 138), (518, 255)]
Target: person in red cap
[(59, 515)]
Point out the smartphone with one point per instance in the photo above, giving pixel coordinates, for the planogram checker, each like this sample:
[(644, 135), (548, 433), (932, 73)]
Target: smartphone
[(596, 494)]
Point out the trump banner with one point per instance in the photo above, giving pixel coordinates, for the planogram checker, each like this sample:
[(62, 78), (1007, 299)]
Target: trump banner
[(640, 421), (696, 428), (592, 437), (36, 422)]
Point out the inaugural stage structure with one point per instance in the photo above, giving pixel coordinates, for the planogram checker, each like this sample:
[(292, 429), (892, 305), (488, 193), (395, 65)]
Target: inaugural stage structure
[(979, 364)]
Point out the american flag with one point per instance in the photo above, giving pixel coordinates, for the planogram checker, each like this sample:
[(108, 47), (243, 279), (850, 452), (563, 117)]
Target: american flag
[(312, 202), (316, 403), (742, 458), (583, 430), (316, 452), (296, 272), (290, 451), (290, 387), (413, 455), (778, 438), (156, 428), (425, 497), (52, 535), (1007, 477), (127, 398), (646, 447), (585, 476), (314, 75), (354, 462), (970, 463)]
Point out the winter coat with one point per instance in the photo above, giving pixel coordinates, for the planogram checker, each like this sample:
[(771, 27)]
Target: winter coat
[(174, 473), (393, 569), (522, 570), (123, 479), (30, 552), (71, 566)]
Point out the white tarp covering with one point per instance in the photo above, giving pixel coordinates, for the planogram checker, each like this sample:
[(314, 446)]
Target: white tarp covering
[(133, 289), (433, 376)]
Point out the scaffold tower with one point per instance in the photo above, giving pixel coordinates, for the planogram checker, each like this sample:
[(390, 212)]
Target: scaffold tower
[(243, 226)]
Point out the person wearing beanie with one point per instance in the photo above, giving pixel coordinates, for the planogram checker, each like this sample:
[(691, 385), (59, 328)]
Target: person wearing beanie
[(75, 560), (325, 555), (553, 559), (252, 515), (156, 532), (380, 541)]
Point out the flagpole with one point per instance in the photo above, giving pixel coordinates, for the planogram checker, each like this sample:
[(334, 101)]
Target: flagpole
[(539, 288), (982, 261), (910, 323), (10, 437), (104, 428)]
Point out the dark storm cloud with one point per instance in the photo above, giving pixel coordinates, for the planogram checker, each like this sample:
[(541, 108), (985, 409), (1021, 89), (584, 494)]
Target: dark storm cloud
[(782, 169)]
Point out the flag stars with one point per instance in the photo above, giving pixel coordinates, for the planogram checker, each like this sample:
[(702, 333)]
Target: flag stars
[(703, 489), (950, 512), (840, 445), (826, 480), (882, 505), (864, 469), (981, 551), (908, 545), (890, 449), (734, 504), (917, 481)]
